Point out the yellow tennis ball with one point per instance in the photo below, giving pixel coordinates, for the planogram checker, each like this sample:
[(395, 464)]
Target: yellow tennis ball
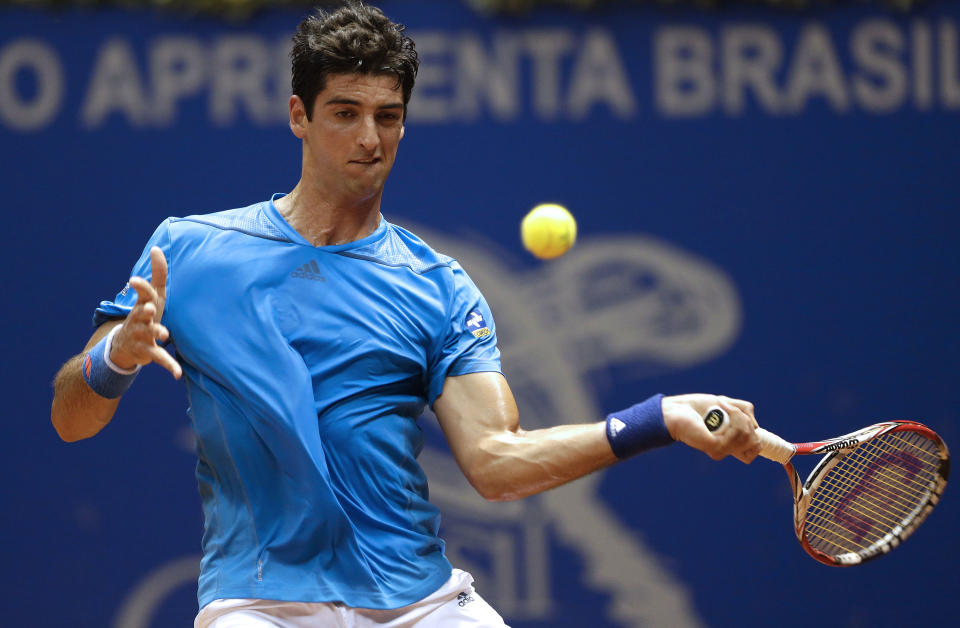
[(548, 231)]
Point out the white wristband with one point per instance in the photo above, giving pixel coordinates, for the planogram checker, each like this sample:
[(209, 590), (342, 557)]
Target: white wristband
[(106, 355)]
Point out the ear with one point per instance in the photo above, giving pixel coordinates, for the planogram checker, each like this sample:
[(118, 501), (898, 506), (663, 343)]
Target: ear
[(298, 116)]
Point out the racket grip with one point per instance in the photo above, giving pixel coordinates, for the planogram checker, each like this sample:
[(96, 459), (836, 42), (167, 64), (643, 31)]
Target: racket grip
[(772, 446), (775, 448)]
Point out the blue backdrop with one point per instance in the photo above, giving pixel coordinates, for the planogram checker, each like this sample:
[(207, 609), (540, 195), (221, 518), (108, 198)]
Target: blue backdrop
[(767, 209)]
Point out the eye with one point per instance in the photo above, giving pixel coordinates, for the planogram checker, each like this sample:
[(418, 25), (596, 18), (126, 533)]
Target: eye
[(344, 114)]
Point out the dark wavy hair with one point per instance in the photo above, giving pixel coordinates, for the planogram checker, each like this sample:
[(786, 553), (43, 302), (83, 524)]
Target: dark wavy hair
[(354, 39)]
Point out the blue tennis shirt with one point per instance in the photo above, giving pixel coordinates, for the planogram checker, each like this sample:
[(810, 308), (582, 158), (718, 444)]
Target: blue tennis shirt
[(306, 369)]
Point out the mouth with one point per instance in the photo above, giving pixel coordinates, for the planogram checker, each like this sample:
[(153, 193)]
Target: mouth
[(366, 162)]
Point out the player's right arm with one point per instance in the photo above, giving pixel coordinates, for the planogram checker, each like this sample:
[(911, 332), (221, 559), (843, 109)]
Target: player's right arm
[(77, 411), (479, 417)]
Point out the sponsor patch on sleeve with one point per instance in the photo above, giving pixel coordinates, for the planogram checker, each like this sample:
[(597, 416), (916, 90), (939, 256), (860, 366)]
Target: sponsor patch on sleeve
[(476, 325)]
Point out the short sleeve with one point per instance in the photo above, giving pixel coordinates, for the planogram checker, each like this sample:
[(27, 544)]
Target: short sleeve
[(468, 343), (121, 304)]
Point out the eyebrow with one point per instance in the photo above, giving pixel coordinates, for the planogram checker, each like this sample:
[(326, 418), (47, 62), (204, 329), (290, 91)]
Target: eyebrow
[(357, 103)]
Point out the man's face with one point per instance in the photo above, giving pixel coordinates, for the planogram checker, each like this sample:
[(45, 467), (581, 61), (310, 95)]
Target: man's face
[(351, 142)]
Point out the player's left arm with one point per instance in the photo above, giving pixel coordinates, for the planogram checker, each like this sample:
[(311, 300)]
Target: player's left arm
[(502, 461)]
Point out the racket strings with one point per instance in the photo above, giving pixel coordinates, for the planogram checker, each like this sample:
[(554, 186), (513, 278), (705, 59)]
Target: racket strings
[(889, 485), (898, 473), (902, 489), (889, 493), (859, 516), (851, 470), (858, 528), (871, 491)]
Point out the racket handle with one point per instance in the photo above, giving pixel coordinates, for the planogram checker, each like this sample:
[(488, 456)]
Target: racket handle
[(772, 446), (775, 448)]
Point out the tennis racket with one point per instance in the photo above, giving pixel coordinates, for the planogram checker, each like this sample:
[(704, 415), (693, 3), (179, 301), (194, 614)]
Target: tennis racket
[(867, 494)]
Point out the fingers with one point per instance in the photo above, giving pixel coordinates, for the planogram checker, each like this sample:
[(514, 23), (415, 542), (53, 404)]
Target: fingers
[(136, 341), (144, 332), (744, 406), (146, 293), (164, 359), (155, 290), (158, 267), (737, 437), (748, 455)]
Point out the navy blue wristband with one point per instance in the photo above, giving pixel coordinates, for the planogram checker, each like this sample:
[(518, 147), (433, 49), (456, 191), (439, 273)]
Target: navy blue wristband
[(103, 376), (638, 429)]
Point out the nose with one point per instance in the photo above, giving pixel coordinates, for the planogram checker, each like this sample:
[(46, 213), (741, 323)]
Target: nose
[(367, 137)]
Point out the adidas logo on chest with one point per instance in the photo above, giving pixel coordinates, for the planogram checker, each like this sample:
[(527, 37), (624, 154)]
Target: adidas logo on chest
[(310, 271)]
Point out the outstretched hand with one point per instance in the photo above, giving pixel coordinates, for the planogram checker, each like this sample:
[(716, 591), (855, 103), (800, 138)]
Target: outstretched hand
[(136, 341), (683, 415)]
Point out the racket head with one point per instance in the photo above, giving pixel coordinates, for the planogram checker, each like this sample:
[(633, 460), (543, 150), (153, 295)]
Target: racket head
[(864, 498)]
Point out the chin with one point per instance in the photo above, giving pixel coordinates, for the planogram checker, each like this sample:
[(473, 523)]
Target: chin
[(367, 189), (371, 184)]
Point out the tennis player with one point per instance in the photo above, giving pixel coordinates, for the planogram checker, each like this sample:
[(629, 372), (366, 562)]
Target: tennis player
[(311, 332)]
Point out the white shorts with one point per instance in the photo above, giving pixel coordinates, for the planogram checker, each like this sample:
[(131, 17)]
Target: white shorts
[(454, 604)]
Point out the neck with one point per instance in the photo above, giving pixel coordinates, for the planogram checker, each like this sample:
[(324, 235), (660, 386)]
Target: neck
[(325, 219)]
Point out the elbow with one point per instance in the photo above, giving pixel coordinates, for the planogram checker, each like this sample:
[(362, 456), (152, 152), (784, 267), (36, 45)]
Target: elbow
[(67, 429), (496, 472), (502, 496), (63, 430), (494, 485), (65, 435), (59, 425), (493, 492)]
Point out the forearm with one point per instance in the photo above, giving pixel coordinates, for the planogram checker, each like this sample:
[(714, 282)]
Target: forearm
[(515, 463), (87, 393), (77, 412), (479, 417)]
